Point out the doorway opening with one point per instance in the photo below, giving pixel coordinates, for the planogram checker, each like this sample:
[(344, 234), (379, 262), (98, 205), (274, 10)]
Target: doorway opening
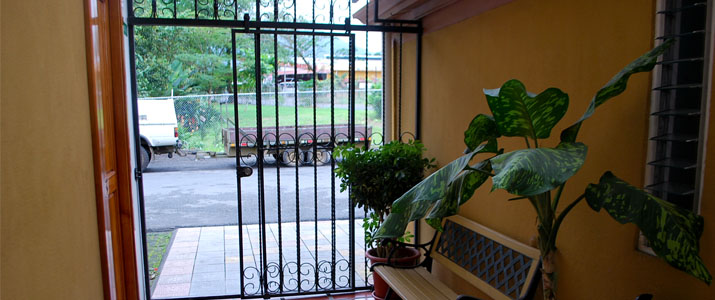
[(238, 106)]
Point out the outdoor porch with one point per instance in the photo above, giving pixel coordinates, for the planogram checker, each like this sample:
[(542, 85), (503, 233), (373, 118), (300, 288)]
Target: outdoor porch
[(206, 261)]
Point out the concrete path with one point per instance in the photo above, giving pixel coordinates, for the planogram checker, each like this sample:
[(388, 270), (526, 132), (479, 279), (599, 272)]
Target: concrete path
[(206, 261)]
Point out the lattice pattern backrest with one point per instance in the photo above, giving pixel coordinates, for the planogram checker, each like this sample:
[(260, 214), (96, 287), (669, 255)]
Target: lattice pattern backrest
[(496, 264)]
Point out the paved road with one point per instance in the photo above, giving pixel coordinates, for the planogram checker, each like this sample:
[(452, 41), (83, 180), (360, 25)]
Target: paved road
[(184, 192)]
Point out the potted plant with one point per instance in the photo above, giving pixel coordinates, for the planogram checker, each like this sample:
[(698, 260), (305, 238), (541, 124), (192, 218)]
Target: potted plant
[(536, 176), (375, 178)]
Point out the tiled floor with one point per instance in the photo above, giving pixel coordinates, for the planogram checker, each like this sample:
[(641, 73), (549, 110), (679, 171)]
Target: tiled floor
[(205, 261)]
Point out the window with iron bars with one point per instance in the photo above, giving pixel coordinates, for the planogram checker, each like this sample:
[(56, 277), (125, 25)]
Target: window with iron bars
[(681, 88)]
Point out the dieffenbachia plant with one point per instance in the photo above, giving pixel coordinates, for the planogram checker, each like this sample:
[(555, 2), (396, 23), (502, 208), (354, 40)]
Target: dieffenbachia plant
[(538, 175)]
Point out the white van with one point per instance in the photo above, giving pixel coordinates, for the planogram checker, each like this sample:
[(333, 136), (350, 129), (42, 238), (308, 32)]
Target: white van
[(157, 128)]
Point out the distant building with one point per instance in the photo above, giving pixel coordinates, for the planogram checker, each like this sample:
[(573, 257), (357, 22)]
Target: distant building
[(366, 70)]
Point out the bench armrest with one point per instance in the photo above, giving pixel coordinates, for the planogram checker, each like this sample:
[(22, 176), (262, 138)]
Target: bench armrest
[(465, 297)]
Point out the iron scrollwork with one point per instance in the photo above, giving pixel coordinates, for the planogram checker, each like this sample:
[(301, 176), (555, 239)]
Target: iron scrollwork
[(287, 275)]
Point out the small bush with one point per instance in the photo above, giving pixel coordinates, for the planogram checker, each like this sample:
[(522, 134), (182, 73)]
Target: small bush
[(378, 176)]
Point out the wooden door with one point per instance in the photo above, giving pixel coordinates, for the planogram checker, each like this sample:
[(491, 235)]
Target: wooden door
[(110, 143)]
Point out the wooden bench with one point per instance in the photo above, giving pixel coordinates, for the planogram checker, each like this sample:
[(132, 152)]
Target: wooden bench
[(499, 266)]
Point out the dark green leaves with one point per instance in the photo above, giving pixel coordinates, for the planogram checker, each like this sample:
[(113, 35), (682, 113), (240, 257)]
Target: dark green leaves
[(520, 113), (616, 86), (673, 232), (437, 196), (530, 172), (481, 129), (459, 191), (378, 176)]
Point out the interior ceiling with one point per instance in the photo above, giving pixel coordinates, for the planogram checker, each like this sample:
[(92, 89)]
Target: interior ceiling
[(402, 9)]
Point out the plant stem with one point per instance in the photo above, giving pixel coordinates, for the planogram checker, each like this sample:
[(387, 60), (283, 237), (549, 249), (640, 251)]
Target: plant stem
[(547, 245), (548, 278), (536, 143), (561, 217), (527, 142)]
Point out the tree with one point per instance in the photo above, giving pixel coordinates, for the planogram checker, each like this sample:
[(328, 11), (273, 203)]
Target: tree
[(193, 60)]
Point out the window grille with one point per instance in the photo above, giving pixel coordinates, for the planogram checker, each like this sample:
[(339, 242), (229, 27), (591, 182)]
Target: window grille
[(679, 104)]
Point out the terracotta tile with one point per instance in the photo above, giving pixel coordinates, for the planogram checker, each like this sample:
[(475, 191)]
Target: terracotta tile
[(171, 263), (177, 270), (171, 290), (174, 279)]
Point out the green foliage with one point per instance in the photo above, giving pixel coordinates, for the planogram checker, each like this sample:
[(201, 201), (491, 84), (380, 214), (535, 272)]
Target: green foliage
[(530, 172), (533, 173), (370, 225), (520, 113), (482, 128), (157, 243), (430, 196), (193, 60), (673, 232), (197, 115), (376, 177)]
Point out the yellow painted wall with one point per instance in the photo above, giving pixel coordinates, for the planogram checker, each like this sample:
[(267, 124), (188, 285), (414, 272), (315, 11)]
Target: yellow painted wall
[(576, 46), (49, 241)]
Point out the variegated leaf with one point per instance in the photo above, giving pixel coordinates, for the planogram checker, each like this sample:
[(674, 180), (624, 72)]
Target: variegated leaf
[(459, 191), (673, 232), (520, 113), (436, 195), (616, 86), (481, 129), (530, 172)]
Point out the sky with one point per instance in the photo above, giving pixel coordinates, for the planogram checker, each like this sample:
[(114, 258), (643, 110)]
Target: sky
[(304, 8)]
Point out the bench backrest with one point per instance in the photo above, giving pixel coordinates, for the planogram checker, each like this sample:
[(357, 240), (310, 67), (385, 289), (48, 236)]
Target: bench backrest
[(501, 267)]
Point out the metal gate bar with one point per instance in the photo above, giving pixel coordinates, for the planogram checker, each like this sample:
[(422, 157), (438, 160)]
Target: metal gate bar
[(259, 27), (265, 289)]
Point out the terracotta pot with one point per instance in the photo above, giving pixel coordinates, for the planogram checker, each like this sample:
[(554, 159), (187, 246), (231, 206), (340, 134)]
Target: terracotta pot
[(402, 257)]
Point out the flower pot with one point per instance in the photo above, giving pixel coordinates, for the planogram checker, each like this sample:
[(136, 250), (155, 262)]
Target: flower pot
[(402, 257)]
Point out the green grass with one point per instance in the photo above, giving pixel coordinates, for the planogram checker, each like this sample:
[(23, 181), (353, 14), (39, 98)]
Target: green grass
[(286, 114), (210, 140), (157, 243)]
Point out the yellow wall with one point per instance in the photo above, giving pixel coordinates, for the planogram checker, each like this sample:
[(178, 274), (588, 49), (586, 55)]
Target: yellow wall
[(49, 241), (576, 46)]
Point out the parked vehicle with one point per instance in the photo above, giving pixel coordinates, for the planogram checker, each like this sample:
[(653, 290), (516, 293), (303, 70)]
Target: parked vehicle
[(283, 150), (158, 129)]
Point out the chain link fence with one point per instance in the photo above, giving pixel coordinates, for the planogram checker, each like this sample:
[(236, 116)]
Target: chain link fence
[(201, 118)]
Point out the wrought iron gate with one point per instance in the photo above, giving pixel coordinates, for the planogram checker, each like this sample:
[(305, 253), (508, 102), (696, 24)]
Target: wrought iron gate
[(296, 145), (283, 237)]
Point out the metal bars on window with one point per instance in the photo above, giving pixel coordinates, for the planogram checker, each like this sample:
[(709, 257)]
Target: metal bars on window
[(302, 149), (680, 98)]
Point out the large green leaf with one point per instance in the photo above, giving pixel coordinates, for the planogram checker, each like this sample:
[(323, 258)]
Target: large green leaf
[(530, 172), (520, 113), (459, 191), (673, 232), (482, 128), (438, 195), (616, 86)]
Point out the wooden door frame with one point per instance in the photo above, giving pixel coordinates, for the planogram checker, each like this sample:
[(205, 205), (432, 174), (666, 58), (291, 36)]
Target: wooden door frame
[(120, 275)]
